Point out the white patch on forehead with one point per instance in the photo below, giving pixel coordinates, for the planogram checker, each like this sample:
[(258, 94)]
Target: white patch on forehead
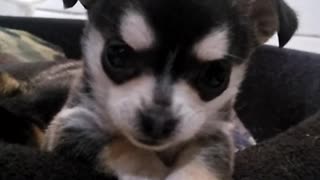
[(213, 46), (135, 30)]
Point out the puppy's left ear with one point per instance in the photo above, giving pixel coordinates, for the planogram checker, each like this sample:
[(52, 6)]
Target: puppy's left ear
[(71, 3), (269, 17), (288, 23)]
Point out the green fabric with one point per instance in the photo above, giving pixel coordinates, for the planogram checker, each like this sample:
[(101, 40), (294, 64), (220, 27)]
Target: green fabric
[(20, 46)]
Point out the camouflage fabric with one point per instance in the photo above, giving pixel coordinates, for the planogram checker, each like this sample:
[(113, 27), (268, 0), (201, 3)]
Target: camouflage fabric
[(20, 46)]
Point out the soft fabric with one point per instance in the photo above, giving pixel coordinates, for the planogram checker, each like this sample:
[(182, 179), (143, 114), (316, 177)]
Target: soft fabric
[(30, 95), (31, 92), (23, 163), (65, 33), (20, 46), (293, 155), (281, 88)]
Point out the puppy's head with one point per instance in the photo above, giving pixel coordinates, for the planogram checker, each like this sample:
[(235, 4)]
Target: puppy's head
[(166, 71)]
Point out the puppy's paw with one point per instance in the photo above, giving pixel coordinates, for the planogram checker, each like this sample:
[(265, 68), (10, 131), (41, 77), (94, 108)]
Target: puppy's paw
[(130, 177), (193, 172), (188, 176), (131, 163)]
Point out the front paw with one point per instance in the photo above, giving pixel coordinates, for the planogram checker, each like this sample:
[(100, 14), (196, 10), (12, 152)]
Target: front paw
[(131, 163), (131, 177), (193, 172)]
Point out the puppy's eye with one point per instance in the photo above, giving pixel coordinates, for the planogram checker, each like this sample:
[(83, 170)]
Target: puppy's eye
[(119, 61), (215, 76), (118, 54), (213, 79)]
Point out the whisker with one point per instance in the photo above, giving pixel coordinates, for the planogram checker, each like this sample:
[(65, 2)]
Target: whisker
[(235, 57)]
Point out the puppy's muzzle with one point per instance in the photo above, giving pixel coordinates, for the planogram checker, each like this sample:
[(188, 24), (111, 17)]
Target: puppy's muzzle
[(156, 125)]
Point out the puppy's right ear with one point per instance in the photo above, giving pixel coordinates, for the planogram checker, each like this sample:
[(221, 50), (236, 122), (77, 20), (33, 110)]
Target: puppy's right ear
[(71, 3)]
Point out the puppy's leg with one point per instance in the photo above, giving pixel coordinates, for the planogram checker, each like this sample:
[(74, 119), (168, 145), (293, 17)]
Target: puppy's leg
[(76, 132), (208, 158)]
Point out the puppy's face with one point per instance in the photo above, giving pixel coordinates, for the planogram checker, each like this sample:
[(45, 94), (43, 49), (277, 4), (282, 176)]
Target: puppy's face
[(166, 71)]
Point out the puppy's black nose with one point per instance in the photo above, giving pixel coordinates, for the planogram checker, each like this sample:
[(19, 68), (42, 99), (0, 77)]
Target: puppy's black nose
[(157, 124)]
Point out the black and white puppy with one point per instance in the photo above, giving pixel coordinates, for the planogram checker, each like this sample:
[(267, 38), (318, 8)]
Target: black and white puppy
[(155, 98)]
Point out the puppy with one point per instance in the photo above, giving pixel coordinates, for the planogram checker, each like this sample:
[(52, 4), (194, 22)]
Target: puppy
[(158, 84)]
